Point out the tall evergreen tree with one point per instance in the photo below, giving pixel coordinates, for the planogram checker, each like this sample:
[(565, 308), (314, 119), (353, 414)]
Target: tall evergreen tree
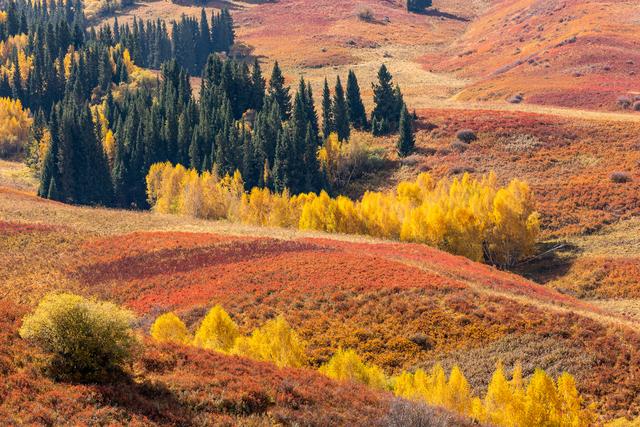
[(279, 92), (327, 111), (340, 113), (406, 140), (385, 111), (355, 106)]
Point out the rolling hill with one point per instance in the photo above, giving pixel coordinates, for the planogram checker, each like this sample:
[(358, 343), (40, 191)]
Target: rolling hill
[(400, 306)]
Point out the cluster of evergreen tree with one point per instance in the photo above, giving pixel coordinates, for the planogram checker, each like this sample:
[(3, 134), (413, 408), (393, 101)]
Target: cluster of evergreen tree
[(343, 111), (51, 28), (191, 41), (418, 6), (239, 121)]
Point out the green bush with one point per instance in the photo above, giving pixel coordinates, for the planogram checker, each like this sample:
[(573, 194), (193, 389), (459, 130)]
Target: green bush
[(85, 340)]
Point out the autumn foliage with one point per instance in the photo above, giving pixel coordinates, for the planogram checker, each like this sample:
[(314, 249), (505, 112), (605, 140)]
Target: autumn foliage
[(84, 339), (506, 403), (475, 218), (15, 126)]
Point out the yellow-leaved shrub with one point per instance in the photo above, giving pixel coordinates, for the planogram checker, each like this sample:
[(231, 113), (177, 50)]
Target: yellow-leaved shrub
[(275, 342), (217, 331), (84, 339), (169, 328), (347, 365)]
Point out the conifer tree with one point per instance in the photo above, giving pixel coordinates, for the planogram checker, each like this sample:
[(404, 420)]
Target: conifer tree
[(279, 92), (355, 106), (258, 86), (385, 111), (406, 141), (327, 111), (340, 113)]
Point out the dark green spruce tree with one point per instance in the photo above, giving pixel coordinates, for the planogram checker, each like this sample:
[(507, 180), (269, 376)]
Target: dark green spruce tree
[(355, 106), (327, 111), (279, 92), (406, 140), (340, 113)]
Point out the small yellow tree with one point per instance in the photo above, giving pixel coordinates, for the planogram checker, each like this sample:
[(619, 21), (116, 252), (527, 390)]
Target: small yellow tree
[(347, 365), (275, 342), (169, 328), (217, 331)]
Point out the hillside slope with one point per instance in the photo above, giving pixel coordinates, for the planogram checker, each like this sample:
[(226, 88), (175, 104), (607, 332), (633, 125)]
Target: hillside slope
[(571, 53), (400, 306)]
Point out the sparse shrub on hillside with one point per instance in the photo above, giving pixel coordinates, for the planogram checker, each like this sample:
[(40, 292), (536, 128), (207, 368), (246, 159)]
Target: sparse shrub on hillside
[(169, 328), (624, 102), (366, 14), (346, 365), (620, 177), (516, 99), (404, 413), (217, 331), (85, 339), (467, 136), (459, 146), (636, 106), (274, 342)]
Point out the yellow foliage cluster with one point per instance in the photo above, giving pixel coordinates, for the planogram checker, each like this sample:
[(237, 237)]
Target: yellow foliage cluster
[(15, 126), (84, 338), (3, 16), (347, 365), (507, 403), (106, 134), (342, 161), (472, 217), (217, 331), (541, 402), (180, 191), (16, 43), (275, 341), (169, 328), (623, 422)]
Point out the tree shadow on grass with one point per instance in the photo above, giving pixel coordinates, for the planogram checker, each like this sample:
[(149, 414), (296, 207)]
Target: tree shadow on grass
[(553, 262), (437, 13), (150, 399)]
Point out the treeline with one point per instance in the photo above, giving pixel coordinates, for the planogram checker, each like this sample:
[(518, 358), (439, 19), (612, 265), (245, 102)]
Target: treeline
[(47, 47), (539, 401), (470, 217), (190, 41), (239, 121)]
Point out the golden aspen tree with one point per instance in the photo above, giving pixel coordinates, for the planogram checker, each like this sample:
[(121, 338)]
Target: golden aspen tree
[(469, 217), (498, 400), (541, 401), (15, 126), (346, 365), (169, 328), (458, 394), (570, 403), (217, 331), (274, 342)]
